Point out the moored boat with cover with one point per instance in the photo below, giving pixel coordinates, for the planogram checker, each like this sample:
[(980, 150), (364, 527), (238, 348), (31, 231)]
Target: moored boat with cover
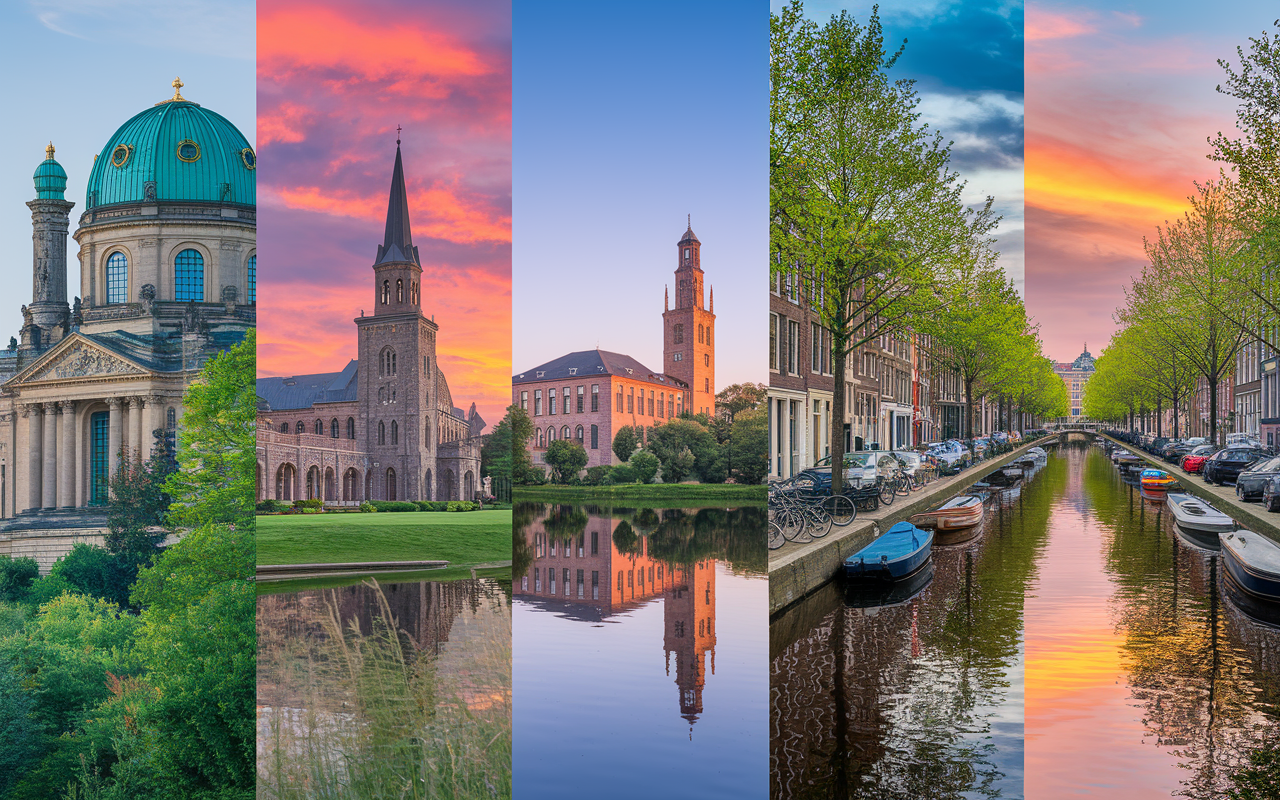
[(1253, 562), (962, 511), (898, 553), (1195, 514)]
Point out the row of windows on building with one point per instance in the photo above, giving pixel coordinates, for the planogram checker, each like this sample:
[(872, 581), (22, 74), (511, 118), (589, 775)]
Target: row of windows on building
[(704, 334), (414, 292), (188, 277), (784, 346), (633, 579), (659, 404), (544, 438), (335, 430), (542, 543)]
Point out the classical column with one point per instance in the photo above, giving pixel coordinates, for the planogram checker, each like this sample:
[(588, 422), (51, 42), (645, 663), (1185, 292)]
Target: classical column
[(136, 440), (113, 436), (49, 457), (67, 455), (155, 420), (31, 413), (785, 422)]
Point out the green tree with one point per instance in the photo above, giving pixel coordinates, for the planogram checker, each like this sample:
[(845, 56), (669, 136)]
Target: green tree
[(93, 571), (684, 448), (197, 641), (521, 432), (625, 442), (750, 446), (566, 458), (740, 397), (495, 456), (16, 577), (866, 217), (216, 455), (645, 465)]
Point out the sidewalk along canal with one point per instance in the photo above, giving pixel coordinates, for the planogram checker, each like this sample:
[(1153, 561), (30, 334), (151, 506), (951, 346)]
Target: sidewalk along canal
[(796, 570)]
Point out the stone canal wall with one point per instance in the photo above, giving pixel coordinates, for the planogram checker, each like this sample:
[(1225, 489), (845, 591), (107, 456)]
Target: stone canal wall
[(1250, 515), (796, 570)]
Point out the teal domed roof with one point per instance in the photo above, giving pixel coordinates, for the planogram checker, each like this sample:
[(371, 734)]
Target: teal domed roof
[(190, 153), (50, 177)]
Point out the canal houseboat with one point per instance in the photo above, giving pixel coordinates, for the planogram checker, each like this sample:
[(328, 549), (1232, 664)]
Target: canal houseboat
[(1194, 514), (900, 552), (963, 511), (1253, 562)]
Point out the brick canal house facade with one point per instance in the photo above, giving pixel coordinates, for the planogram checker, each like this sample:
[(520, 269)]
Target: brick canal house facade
[(168, 261), (385, 427), (587, 396)]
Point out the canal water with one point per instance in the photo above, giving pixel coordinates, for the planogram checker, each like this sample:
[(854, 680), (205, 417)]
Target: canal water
[(365, 690), (1080, 646), (640, 652)]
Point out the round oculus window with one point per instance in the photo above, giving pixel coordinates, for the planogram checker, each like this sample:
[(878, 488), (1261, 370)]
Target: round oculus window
[(249, 159), (120, 156), (188, 150)]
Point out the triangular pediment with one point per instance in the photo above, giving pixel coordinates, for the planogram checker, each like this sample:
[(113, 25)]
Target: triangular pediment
[(78, 358)]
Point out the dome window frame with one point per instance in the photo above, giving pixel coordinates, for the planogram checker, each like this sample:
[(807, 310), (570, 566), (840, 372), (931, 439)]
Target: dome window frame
[(183, 144), (249, 158), (117, 160)]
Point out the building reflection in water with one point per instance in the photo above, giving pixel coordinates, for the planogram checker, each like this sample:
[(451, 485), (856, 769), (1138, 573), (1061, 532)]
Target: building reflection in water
[(589, 565)]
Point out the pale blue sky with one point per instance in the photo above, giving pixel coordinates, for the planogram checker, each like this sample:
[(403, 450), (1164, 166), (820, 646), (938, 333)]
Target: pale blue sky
[(77, 70)]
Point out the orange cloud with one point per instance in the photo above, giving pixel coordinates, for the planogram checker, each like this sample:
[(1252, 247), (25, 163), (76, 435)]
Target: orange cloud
[(322, 38), (284, 123), (1040, 24)]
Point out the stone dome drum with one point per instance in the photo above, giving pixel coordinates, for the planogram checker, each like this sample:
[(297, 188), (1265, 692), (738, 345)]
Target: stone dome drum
[(174, 151)]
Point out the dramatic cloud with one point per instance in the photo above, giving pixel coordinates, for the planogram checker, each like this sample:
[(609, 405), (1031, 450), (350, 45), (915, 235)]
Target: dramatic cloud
[(334, 82), (1117, 118)]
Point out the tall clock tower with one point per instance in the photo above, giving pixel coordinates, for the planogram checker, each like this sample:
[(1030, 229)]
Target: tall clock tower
[(688, 330)]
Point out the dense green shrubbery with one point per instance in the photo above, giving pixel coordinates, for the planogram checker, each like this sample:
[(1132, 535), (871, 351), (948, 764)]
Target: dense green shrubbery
[(270, 506), (367, 508), (314, 502), (393, 505)]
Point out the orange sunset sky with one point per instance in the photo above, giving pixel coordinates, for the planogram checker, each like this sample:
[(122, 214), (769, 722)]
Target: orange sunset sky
[(334, 82), (1119, 107)]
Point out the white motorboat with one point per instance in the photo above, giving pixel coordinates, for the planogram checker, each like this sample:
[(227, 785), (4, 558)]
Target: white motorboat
[(1195, 514)]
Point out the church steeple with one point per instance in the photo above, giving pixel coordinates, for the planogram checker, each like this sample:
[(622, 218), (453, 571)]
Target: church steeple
[(397, 243), (397, 272)]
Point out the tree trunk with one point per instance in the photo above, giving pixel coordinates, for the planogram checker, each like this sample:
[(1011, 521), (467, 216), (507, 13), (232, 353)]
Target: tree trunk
[(968, 406), (1213, 411), (1159, 417), (840, 356)]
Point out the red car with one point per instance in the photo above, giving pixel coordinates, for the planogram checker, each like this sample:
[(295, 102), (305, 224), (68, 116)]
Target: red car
[(1193, 462)]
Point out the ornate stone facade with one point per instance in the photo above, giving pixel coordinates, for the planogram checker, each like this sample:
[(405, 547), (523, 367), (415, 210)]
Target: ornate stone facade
[(385, 427), (84, 388)]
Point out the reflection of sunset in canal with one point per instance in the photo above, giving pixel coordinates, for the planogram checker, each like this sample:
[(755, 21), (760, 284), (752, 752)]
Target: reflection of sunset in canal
[(629, 606), (1078, 647)]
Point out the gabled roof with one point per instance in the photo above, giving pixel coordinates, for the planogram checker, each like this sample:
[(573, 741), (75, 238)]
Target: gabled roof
[(586, 363), (304, 391)]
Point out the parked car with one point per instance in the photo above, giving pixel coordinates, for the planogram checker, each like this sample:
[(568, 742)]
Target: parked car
[(1174, 451), (1228, 463), (1192, 462), (951, 455), (1253, 479), (1271, 494), (861, 469)]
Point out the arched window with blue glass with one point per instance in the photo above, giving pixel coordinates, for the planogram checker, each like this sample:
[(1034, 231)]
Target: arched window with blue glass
[(117, 278), (99, 450), (253, 279), (188, 276)]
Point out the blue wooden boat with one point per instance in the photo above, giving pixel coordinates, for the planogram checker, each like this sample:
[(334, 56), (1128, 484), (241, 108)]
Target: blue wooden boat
[(1253, 562), (900, 552)]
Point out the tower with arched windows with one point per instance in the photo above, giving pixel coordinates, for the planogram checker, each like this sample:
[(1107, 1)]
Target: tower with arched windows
[(395, 433), (688, 330), (167, 254)]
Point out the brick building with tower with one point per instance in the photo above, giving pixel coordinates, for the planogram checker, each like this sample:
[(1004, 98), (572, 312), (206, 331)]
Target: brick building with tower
[(587, 396), (385, 426)]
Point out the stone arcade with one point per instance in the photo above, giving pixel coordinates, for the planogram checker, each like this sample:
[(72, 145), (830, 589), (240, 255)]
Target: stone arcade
[(167, 279), (385, 427)]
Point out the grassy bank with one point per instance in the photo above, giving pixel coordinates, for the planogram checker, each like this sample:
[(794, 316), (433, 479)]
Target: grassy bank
[(462, 539), (662, 494), (500, 574)]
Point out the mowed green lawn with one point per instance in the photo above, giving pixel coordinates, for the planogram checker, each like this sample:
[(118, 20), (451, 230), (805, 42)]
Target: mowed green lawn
[(462, 538)]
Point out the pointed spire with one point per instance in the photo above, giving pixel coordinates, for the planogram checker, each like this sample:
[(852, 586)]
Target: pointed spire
[(397, 244), (713, 298), (666, 299), (689, 235)]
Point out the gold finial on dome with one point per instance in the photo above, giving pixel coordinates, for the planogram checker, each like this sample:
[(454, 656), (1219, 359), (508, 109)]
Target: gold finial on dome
[(48, 152), (177, 90)]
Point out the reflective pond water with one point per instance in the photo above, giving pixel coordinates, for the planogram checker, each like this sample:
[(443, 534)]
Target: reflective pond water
[(382, 690), (1080, 646), (640, 642)]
